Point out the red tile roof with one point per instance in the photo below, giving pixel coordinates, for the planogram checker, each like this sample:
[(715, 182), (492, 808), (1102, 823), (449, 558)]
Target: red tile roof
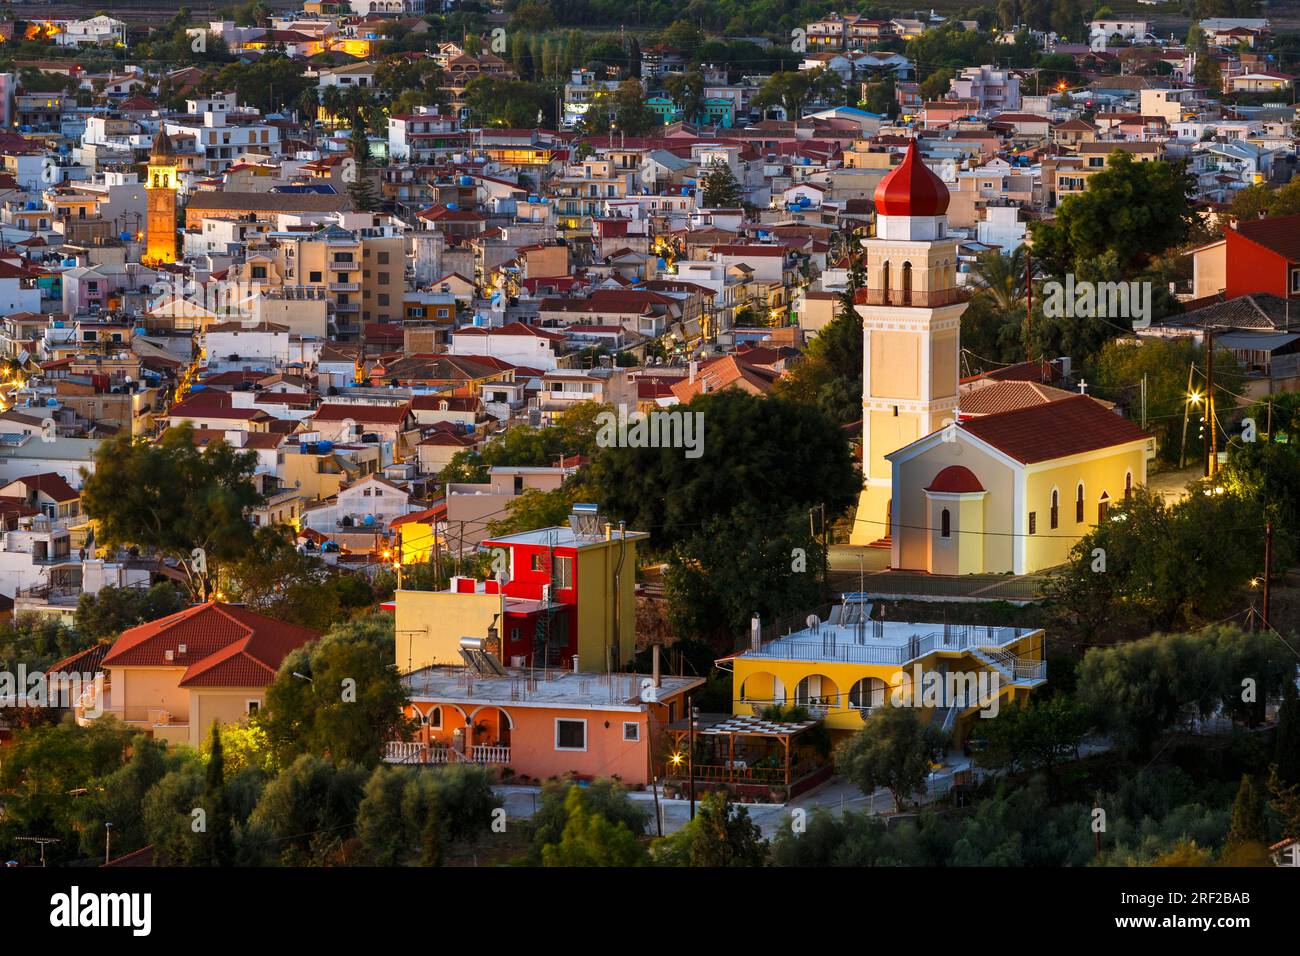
[(1056, 430), (225, 645), (1280, 234), (365, 414), (955, 479)]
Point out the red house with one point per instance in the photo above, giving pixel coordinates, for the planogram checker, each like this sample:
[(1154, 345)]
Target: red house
[(1263, 255)]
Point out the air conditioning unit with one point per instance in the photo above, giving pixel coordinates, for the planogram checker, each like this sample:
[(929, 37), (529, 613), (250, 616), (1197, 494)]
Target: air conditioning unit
[(169, 655)]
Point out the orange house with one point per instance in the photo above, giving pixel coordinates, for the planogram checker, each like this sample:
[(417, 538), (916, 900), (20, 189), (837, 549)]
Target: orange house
[(542, 723), (175, 676)]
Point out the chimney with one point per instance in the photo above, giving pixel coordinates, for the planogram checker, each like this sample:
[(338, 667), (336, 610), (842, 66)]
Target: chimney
[(755, 633), (693, 367), (655, 671)]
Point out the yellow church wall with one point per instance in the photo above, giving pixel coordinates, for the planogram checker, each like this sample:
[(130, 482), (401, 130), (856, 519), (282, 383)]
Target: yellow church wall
[(888, 433), (1099, 471), (943, 364), (895, 365), (996, 477)]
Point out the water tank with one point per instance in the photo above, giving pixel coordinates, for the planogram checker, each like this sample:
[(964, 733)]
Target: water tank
[(325, 447), (478, 321), (58, 323), (139, 331), (124, 236), (51, 403), (452, 205), (369, 520), (467, 180)]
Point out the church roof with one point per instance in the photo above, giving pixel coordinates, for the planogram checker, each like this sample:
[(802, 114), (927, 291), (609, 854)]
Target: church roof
[(955, 479), (911, 189), (1072, 426), (162, 145)]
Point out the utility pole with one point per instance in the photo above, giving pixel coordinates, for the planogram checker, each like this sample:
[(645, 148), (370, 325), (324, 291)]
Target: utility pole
[(1211, 439), (1144, 400), (1187, 410), (108, 841), (1268, 567), (690, 748), (1029, 304)]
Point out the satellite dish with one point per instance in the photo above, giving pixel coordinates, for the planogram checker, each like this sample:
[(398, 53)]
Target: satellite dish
[(813, 620)]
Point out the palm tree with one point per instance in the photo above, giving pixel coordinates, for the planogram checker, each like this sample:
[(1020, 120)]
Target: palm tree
[(332, 101), (993, 325), (309, 106)]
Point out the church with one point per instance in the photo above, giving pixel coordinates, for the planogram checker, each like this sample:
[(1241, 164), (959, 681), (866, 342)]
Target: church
[(1011, 491)]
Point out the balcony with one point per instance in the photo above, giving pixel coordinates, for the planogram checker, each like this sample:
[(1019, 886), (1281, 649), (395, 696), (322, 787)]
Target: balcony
[(908, 298), (414, 752), (345, 286)]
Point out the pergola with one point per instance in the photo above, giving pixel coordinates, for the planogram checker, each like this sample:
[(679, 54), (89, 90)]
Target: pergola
[(733, 726)]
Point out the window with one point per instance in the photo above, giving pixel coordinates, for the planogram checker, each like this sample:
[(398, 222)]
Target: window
[(381, 258), (1033, 522), (1056, 508), (631, 731), (1078, 505), (1128, 485), (1103, 505), (535, 562), (945, 524), (313, 277), (564, 572), (251, 707), (570, 734), (433, 718)]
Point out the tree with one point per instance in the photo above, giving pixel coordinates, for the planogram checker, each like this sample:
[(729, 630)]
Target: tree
[(347, 703), (220, 837), (589, 839), (307, 813), (1036, 735), (274, 578), (687, 93), (409, 814), (935, 86), (174, 497), (719, 188), (750, 443), (894, 750), (1248, 822), (1287, 738), (602, 797), (721, 835), (1132, 209), (992, 325), (788, 89), (109, 611)]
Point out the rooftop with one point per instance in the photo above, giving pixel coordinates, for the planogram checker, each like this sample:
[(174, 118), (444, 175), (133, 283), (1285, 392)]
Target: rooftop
[(525, 687)]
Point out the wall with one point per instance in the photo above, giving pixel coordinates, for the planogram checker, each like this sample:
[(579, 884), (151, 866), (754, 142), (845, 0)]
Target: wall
[(430, 625)]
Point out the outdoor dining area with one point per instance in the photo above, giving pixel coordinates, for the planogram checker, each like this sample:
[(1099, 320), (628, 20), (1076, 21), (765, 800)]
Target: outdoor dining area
[(756, 758)]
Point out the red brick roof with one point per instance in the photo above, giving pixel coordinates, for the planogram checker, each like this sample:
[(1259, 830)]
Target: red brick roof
[(225, 645), (1056, 430)]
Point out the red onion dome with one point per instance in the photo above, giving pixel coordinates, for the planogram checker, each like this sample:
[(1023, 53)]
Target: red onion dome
[(911, 189)]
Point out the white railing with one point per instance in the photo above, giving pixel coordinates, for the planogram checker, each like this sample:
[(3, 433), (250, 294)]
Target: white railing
[(858, 645), (483, 753), (408, 751)]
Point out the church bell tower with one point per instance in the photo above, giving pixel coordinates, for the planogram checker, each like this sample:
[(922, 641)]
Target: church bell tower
[(160, 192), (911, 331)]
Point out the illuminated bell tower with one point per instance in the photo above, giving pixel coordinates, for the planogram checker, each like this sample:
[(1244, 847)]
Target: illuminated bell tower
[(911, 331), (160, 188)]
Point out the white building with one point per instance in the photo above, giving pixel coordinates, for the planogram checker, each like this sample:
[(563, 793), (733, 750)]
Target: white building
[(515, 343), (96, 31)]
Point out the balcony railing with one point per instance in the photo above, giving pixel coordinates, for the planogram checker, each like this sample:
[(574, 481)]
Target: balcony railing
[(414, 752), (907, 298), (345, 286)]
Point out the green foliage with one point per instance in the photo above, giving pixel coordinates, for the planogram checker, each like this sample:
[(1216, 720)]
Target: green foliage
[(589, 839), (277, 580), (894, 750), (306, 814), (719, 187), (414, 815), (779, 456), (1287, 741), (1248, 821), (1036, 735), (350, 706), (1165, 565), (721, 835), (1133, 692), (172, 497), (572, 433), (603, 798), (1261, 199), (829, 376), (110, 611), (1132, 209)]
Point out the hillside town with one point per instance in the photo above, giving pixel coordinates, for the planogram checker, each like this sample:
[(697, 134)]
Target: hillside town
[(569, 438)]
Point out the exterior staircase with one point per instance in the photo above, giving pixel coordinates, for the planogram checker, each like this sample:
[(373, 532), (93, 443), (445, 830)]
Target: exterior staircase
[(1017, 671), (886, 542)]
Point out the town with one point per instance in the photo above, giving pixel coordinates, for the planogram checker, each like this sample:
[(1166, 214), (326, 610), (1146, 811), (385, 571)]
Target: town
[(450, 433)]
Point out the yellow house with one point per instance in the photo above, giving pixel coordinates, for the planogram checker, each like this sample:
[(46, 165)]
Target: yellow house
[(175, 676), (842, 669), (1013, 491)]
